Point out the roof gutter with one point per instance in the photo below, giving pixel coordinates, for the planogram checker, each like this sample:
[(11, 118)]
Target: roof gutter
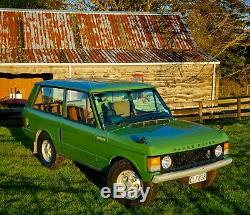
[(107, 64)]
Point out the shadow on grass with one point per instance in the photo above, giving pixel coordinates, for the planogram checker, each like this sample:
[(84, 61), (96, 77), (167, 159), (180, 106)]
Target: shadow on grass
[(221, 122), (18, 135), (25, 187), (226, 122), (96, 177), (23, 184), (236, 207)]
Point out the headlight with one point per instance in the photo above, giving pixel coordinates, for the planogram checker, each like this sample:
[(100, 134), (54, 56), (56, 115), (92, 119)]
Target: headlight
[(166, 162), (218, 151)]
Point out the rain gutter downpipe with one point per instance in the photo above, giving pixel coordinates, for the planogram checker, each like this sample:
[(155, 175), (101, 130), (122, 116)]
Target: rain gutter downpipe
[(70, 71)]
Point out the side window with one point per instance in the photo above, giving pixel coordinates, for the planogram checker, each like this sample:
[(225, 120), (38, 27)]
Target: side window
[(50, 100), (79, 108)]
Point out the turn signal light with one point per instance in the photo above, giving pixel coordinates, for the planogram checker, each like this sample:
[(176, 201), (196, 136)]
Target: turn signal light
[(226, 148), (154, 164)]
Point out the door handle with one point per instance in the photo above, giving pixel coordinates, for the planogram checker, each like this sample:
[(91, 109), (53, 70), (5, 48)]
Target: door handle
[(103, 139)]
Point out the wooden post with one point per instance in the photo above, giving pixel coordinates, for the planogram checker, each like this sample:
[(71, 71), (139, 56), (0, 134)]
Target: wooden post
[(239, 108), (200, 112)]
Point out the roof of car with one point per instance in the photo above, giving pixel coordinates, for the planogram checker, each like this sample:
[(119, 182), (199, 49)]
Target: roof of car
[(96, 85)]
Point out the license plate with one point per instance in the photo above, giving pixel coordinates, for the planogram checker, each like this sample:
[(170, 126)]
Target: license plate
[(197, 178)]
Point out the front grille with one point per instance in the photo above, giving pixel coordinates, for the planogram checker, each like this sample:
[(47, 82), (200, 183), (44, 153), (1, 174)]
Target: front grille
[(193, 158)]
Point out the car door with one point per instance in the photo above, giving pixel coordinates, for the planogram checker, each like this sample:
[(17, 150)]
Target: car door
[(78, 128)]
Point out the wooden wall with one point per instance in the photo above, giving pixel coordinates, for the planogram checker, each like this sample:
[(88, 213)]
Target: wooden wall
[(175, 82), (24, 85)]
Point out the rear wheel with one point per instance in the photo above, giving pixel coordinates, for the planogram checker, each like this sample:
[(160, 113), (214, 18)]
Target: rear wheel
[(47, 152), (122, 172), (211, 177)]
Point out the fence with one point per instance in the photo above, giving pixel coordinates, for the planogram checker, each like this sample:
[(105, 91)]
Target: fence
[(218, 109), (192, 111)]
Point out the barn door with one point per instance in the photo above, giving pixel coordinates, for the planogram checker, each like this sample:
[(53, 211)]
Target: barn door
[(23, 83)]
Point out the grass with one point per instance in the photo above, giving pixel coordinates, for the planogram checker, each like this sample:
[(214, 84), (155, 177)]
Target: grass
[(28, 188)]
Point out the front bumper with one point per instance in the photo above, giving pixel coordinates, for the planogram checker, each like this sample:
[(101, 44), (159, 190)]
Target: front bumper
[(189, 172)]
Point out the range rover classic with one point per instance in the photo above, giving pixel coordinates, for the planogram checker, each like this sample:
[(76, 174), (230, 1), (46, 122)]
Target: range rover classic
[(124, 129)]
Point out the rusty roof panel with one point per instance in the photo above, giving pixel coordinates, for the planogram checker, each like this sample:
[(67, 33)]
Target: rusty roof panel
[(8, 30), (66, 37)]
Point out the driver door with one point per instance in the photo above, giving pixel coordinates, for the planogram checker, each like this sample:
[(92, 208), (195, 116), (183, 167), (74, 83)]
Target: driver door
[(78, 129)]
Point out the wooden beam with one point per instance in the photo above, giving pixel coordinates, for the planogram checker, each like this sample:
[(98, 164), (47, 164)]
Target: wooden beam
[(239, 108)]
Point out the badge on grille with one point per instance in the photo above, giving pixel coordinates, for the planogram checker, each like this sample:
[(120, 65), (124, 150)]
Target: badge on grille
[(208, 153)]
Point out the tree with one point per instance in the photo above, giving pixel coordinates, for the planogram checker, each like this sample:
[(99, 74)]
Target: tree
[(128, 5), (79, 5), (33, 4), (219, 27)]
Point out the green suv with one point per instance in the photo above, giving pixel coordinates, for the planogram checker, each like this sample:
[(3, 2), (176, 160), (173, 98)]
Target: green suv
[(124, 129)]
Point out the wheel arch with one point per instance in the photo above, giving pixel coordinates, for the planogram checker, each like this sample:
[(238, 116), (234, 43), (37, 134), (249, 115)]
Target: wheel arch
[(38, 133), (118, 158)]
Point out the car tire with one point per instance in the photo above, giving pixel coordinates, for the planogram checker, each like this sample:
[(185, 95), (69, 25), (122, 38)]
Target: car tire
[(121, 167), (211, 177), (46, 152)]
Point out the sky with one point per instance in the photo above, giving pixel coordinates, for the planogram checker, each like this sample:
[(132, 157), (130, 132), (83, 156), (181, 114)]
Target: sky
[(248, 2)]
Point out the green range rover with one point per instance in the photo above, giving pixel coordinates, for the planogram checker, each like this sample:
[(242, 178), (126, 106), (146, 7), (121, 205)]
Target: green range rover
[(124, 129)]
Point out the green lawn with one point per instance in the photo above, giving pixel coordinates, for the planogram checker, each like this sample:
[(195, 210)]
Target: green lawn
[(28, 188)]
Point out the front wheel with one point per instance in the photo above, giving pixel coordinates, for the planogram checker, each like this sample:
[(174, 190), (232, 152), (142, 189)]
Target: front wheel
[(137, 192), (47, 152)]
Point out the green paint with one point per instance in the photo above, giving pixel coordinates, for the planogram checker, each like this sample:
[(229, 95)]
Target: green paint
[(96, 147)]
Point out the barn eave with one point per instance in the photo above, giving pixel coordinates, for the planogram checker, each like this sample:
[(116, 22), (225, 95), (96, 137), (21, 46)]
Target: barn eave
[(108, 64)]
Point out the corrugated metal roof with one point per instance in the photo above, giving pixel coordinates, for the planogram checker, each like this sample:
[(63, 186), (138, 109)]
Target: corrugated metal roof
[(35, 36)]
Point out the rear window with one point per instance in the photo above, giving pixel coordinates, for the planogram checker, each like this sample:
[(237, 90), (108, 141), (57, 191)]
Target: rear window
[(50, 99)]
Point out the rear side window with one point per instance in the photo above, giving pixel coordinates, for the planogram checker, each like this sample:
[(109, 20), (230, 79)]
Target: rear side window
[(50, 100), (78, 107)]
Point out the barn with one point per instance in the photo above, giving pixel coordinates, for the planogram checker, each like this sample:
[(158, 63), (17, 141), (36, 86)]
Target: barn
[(149, 47)]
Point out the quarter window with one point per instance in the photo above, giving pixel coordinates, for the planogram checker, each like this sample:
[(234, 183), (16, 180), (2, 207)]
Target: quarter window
[(50, 100), (79, 108)]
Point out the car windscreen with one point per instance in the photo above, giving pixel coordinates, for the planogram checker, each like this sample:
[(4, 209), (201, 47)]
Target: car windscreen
[(114, 108)]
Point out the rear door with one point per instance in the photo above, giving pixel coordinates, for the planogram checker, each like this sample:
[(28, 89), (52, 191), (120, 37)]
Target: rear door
[(78, 128)]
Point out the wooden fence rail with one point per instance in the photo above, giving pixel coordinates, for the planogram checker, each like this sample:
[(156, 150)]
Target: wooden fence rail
[(192, 111), (217, 109)]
